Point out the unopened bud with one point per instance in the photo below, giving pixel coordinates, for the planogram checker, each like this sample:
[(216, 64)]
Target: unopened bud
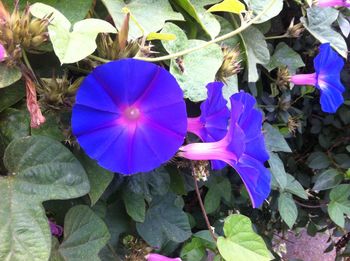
[(123, 33), (230, 65), (2, 53)]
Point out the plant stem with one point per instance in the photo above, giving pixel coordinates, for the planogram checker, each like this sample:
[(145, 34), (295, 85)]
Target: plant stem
[(310, 206), (202, 205), (96, 58), (27, 64), (204, 45), (276, 37)]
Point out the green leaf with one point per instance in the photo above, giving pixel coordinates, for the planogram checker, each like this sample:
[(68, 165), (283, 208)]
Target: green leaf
[(287, 209), (241, 243), (319, 24), (278, 171), (40, 169), (66, 43), (195, 8), (257, 6), (294, 187), (232, 6), (219, 187), (50, 128), (149, 184), (285, 56), (135, 205), (99, 177), (149, 14), (11, 95), (256, 51), (9, 75), (274, 140), (197, 72), (318, 160), (327, 179), (196, 249), (344, 25), (164, 221), (85, 234), (339, 204)]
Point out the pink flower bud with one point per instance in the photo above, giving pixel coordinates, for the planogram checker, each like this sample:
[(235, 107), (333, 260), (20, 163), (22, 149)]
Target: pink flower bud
[(157, 257), (2, 53)]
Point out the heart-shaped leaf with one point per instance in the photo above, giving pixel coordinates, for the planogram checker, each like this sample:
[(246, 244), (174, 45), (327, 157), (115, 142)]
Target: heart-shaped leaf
[(232, 6), (192, 72), (85, 234), (9, 75), (39, 169), (240, 242), (68, 44)]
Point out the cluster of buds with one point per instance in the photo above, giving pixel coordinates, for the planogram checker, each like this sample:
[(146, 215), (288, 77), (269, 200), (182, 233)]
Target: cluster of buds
[(58, 93), (18, 30), (231, 64), (294, 30), (119, 47)]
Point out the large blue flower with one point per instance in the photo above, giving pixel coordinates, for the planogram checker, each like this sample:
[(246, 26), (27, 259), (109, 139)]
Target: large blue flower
[(243, 148), (212, 124), (328, 65), (130, 116)]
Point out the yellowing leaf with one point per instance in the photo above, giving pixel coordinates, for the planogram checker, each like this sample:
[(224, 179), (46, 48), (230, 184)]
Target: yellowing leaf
[(232, 6), (160, 36)]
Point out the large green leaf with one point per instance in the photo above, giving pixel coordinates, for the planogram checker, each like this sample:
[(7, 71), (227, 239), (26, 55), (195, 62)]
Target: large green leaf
[(240, 242), (274, 139), (149, 14), (135, 205), (99, 177), (287, 209), (197, 72), (319, 24), (294, 187), (197, 248), (85, 234), (67, 43), (164, 222), (219, 187), (328, 179), (11, 95), (9, 75), (196, 10), (278, 171), (39, 169), (285, 56), (339, 204), (318, 160), (257, 6), (256, 51)]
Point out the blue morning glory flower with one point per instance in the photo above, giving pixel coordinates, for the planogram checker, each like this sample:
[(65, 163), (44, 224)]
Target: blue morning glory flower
[(212, 124), (328, 65), (130, 116), (243, 147)]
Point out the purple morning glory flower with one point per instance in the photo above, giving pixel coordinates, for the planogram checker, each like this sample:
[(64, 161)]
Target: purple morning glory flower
[(2, 53), (157, 257), (243, 148), (56, 230), (328, 65), (212, 124), (327, 3), (130, 116)]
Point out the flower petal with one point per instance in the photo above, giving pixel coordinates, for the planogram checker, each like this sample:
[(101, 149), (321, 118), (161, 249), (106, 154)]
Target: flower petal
[(255, 177), (256, 148), (331, 97), (328, 62)]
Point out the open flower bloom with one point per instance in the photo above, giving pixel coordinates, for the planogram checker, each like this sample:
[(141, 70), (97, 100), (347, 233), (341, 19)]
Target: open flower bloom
[(130, 116), (157, 257), (329, 3), (243, 148), (212, 124), (2, 53), (328, 65)]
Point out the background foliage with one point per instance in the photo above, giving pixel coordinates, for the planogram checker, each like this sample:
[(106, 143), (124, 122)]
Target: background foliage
[(108, 216)]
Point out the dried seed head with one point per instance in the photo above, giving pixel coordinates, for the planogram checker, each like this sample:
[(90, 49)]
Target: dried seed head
[(293, 124), (295, 30), (231, 64), (201, 169), (283, 78)]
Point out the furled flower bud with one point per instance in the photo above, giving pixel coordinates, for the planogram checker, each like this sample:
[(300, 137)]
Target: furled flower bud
[(36, 117), (2, 53)]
